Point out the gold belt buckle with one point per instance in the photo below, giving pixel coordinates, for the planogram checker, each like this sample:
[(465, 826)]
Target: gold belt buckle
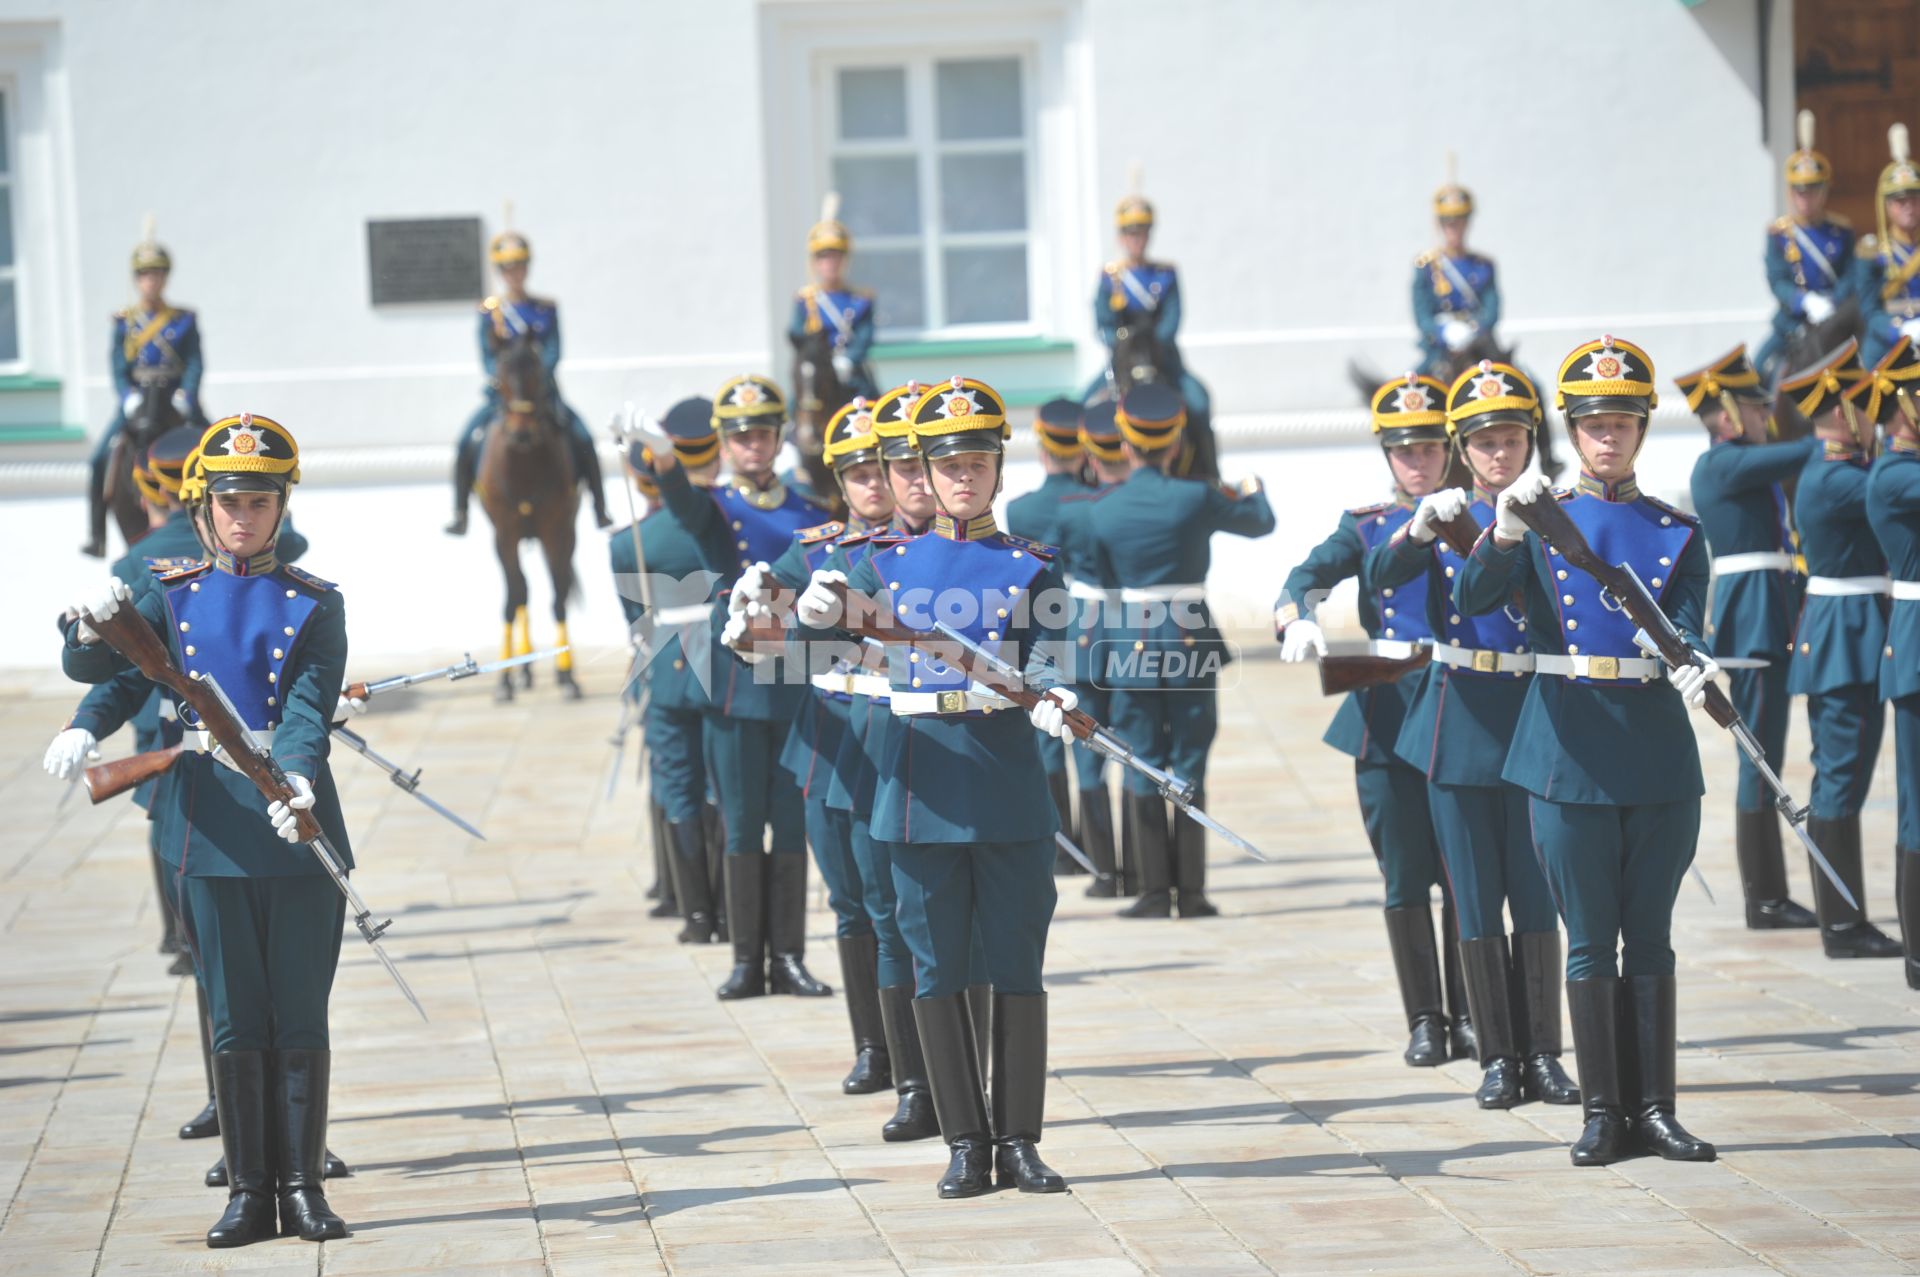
[(951, 702), (1486, 662), (1603, 667)]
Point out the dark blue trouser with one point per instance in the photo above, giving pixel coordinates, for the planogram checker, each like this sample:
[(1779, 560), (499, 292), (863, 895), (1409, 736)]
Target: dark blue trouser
[(1906, 769), (755, 790), (875, 860), (1172, 728), (956, 897), (676, 760), (1761, 697), (265, 949), (1846, 725), (1489, 861), (831, 833), (1615, 872), (1393, 805)]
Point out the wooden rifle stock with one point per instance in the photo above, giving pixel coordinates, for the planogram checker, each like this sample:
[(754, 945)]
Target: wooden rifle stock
[(1461, 533), (110, 780), (1342, 674)]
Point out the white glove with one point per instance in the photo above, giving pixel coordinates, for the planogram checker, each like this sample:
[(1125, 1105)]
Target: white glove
[(130, 403), (1299, 637), (842, 367), (285, 821), (1435, 509), (819, 605), (348, 707), (1049, 713), (1458, 334), (180, 401), (1527, 489), (69, 749), (1817, 307), (751, 588), (633, 425), (1691, 680), (1911, 328), (734, 630), (101, 608)]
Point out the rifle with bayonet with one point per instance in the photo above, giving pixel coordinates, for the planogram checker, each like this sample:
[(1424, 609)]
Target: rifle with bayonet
[(451, 673), (1658, 636), (128, 633)]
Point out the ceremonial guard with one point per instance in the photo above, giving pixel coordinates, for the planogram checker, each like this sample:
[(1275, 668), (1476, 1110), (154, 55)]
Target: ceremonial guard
[(829, 304), (669, 614), (265, 920), (153, 345), (1134, 290), (1036, 516), (516, 315), (1410, 422), (1887, 266), (1837, 645), (751, 517), (1603, 746), (1456, 733), (1161, 657), (1742, 508), (960, 794), (1810, 252), (1893, 507), (1456, 299)]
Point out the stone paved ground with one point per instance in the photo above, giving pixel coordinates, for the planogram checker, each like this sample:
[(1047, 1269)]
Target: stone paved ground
[(1227, 1097)]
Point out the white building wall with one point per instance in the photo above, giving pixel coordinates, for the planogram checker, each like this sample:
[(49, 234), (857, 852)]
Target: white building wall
[(659, 156)]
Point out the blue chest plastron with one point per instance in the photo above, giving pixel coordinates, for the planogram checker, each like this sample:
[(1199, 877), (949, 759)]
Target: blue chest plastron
[(241, 630), (763, 535), (1501, 631), (1640, 533), (977, 587), (1402, 609)]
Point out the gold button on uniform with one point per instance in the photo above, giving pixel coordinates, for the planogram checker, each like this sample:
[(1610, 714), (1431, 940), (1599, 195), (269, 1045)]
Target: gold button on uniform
[(287, 630), (1567, 599), (184, 627), (1572, 624), (189, 649), (278, 654), (292, 595)]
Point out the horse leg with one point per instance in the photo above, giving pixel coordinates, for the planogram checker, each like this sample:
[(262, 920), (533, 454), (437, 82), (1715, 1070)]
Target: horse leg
[(557, 545), (507, 545)]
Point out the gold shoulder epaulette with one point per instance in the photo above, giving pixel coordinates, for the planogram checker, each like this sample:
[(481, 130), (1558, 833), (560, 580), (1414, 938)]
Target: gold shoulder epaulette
[(491, 303), (1673, 510), (1425, 259), (1367, 511), (190, 568), (1112, 269), (1867, 245), (1841, 220), (306, 578), (820, 532), (1038, 549), (1782, 225)]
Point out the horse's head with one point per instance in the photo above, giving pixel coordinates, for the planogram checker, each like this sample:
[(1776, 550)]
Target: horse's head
[(818, 392), (1136, 356), (526, 392), (155, 414)]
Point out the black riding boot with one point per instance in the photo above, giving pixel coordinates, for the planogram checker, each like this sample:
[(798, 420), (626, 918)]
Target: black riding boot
[(1096, 839), (1907, 888), (1537, 974), (1129, 880), (787, 929), (746, 922), (688, 865), (1190, 864), (1844, 930), (1460, 1036), (960, 1101), (206, 1123), (466, 461), (1483, 963), (1763, 873), (859, 967), (1654, 1037), (980, 1014), (1594, 1005), (302, 1113), (1416, 966), (713, 834), (586, 460), (913, 1117), (664, 890), (1020, 1093), (241, 1092), (96, 543), (1150, 839), (1061, 792)]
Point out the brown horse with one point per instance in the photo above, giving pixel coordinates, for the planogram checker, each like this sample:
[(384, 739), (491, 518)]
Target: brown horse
[(526, 486), (818, 393), (1483, 346), (154, 417), (1139, 359)]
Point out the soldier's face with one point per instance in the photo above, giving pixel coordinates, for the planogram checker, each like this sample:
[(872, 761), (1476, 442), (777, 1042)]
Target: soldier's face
[(1418, 467), (1133, 241), (1607, 442), (752, 451), (245, 521), (1809, 202), (514, 276), (1453, 233), (907, 480), (964, 483), (1904, 212), (150, 284), (829, 268), (867, 492), (1497, 454)]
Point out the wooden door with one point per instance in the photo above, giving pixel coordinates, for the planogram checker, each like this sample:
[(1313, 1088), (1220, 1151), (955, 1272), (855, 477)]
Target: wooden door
[(1857, 68)]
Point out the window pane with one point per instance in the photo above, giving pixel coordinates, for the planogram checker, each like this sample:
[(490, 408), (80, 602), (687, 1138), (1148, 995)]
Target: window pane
[(986, 285), (879, 195), (873, 103), (979, 98), (9, 324), (894, 276), (6, 226), (983, 192)]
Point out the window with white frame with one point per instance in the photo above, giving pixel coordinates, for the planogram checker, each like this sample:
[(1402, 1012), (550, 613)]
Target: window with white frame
[(931, 156), (9, 302)]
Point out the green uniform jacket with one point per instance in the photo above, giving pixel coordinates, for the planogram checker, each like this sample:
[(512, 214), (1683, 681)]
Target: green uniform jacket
[(1743, 510), (1893, 505), (677, 578), (1840, 637)]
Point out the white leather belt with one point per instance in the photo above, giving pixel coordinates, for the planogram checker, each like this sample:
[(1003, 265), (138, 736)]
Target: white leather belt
[(1755, 561), (1846, 585), (1392, 649), (1087, 590), (852, 684), (204, 743), (952, 701), (1164, 594), (1482, 660), (1907, 591), (686, 614), (1599, 667)]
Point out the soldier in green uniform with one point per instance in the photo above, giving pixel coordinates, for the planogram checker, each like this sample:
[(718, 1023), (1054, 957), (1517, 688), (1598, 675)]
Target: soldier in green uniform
[(1036, 515), (265, 920), (1893, 508), (1742, 507), (1410, 421), (1161, 657), (961, 795), (1604, 749), (1456, 732), (1843, 627)]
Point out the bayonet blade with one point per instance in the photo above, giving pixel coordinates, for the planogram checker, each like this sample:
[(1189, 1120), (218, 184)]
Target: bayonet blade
[(1079, 857)]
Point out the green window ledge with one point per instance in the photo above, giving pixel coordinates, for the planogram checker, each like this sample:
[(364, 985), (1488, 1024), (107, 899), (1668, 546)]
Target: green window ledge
[(42, 434), (972, 348), (27, 383)]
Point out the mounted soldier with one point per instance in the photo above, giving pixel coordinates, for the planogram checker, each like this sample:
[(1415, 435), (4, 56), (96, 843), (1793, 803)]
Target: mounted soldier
[(1810, 253), (1456, 298), (1887, 266)]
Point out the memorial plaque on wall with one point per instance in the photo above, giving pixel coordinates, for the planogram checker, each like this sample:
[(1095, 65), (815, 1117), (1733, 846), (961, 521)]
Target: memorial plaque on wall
[(424, 259)]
